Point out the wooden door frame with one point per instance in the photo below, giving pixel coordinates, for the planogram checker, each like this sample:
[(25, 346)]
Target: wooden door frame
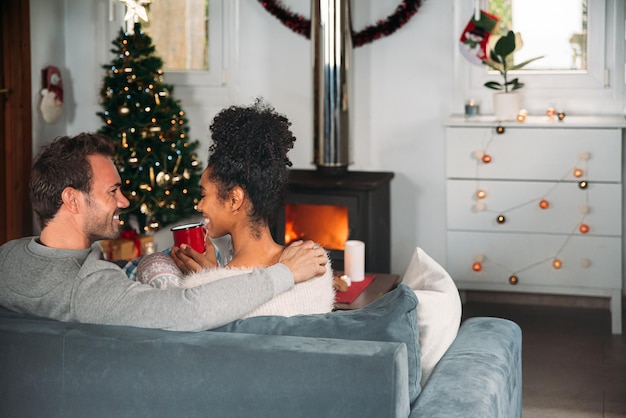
[(16, 136)]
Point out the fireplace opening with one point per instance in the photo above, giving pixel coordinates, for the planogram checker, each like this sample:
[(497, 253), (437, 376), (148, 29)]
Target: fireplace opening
[(333, 209), (324, 224)]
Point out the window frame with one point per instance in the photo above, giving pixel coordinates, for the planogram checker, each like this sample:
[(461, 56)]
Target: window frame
[(223, 47), (217, 74), (599, 89)]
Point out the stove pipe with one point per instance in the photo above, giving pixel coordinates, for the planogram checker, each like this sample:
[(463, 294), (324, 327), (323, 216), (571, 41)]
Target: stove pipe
[(331, 39)]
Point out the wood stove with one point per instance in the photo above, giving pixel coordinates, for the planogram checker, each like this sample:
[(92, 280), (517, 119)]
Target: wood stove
[(333, 209)]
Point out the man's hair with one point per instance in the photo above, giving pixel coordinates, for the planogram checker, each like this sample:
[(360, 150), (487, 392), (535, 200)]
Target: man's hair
[(63, 163), (249, 149)]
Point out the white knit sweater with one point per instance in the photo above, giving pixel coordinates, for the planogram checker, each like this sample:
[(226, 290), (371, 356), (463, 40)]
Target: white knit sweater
[(314, 296)]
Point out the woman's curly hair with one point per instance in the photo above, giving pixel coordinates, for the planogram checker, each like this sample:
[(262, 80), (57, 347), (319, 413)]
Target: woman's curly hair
[(249, 149)]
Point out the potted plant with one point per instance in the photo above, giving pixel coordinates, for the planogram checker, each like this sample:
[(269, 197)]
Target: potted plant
[(507, 101)]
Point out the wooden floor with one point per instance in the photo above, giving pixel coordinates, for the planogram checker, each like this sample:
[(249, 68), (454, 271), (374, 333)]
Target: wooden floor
[(572, 366)]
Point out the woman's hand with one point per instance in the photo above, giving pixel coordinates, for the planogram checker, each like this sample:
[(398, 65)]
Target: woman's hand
[(189, 260)]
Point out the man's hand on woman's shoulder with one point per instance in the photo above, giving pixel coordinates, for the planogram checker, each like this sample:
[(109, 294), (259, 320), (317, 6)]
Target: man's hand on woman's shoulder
[(305, 259)]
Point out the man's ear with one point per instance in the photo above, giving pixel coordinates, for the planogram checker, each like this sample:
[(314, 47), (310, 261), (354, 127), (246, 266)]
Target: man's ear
[(237, 198), (70, 197)]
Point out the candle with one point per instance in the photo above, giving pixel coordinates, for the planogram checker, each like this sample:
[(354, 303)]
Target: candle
[(354, 260), (472, 108)]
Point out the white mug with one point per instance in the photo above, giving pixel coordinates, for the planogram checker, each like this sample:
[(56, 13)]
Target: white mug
[(354, 260)]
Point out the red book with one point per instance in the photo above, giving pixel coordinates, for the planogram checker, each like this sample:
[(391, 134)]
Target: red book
[(355, 289)]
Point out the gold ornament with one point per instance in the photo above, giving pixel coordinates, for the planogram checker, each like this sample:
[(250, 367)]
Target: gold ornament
[(154, 224), (164, 179), (133, 160), (145, 209)]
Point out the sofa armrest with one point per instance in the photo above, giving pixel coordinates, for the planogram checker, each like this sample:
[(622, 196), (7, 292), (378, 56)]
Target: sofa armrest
[(55, 369), (479, 376)]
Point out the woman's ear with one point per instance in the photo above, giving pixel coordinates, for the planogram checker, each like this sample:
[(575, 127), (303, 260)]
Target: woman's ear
[(237, 198), (69, 196)]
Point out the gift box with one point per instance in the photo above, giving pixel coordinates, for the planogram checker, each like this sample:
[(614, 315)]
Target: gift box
[(130, 245)]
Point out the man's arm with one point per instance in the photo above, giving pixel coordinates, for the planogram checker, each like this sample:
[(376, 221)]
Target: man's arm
[(304, 259), (106, 296)]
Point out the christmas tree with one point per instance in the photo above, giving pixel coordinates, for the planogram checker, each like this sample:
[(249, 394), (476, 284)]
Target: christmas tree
[(159, 169)]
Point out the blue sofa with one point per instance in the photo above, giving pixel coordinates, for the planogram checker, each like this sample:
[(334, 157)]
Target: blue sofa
[(55, 369)]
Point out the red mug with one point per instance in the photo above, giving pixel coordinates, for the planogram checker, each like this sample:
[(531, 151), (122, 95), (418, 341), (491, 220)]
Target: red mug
[(191, 234)]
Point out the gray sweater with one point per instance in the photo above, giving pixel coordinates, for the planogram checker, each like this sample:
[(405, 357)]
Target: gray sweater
[(80, 286)]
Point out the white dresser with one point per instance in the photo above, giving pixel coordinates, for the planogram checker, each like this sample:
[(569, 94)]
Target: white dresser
[(536, 208)]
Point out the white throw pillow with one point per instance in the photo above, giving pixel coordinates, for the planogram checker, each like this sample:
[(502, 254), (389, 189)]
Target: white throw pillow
[(438, 310)]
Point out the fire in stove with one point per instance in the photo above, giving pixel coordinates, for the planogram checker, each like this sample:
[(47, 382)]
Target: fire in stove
[(324, 224)]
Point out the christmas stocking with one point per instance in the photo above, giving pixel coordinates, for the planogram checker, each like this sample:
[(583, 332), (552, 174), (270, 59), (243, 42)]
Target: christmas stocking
[(51, 95), (473, 42)]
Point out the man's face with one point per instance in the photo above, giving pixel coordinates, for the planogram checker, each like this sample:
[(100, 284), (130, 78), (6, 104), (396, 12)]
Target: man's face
[(104, 202)]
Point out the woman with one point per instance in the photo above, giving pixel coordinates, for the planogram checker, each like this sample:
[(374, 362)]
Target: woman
[(243, 188)]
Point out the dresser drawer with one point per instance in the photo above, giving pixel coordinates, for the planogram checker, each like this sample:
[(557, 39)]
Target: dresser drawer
[(534, 153), (519, 203), (530, 256)]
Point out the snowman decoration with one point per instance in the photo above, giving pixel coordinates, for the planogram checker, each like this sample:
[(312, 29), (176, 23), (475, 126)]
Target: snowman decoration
[(52, 95)]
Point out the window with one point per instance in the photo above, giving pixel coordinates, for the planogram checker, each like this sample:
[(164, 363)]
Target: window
[(189, 35), (561, 41), (595, 84), (180, 30), (197, 40)]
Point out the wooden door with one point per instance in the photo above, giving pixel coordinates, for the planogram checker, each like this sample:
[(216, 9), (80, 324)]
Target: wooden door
[(15, 120)]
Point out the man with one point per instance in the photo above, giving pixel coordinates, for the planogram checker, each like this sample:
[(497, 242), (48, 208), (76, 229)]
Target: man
[(76, 194)]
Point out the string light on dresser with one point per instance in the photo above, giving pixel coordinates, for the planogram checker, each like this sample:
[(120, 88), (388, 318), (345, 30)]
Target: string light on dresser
[(576, 175)]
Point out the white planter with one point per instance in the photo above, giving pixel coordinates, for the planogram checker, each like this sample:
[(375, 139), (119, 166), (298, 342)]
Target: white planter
[(506, 106)]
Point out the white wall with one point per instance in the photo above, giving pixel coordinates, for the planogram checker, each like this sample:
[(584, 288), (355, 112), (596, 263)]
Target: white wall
[(47, 48)]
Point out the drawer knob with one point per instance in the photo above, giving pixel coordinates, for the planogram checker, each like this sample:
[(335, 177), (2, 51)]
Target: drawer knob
[(513, 280)]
